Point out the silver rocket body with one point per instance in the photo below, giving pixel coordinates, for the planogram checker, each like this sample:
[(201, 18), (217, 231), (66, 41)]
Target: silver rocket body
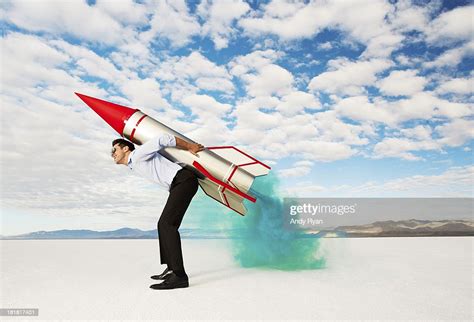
[(222, 164)]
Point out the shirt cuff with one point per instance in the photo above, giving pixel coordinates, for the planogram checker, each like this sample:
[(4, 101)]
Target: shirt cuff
[(167, 140), (173, 140)]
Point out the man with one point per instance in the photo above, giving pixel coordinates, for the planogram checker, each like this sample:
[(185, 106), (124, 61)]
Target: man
[(182, 185)]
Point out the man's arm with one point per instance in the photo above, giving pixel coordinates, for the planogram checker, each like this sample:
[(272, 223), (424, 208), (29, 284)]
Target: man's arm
[(149, 148), (194, 148)]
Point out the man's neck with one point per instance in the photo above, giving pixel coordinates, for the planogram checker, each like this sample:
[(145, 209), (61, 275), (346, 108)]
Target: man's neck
[(125, 159)]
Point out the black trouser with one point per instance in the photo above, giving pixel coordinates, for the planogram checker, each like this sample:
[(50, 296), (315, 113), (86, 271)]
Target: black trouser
[(182, 190)]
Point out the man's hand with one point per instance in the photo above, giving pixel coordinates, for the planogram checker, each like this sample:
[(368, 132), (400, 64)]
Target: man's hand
[(194, 148)]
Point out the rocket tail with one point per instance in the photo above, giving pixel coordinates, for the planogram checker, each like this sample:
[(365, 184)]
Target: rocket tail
[(232, 189)]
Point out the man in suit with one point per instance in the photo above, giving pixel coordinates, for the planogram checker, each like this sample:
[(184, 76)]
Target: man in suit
[(182, 185)]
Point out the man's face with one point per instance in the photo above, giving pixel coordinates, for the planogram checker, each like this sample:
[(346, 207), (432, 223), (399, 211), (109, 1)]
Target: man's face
[(119, 153)]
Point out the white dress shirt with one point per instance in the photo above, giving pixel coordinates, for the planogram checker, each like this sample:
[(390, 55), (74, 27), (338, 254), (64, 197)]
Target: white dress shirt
[(148, 163)]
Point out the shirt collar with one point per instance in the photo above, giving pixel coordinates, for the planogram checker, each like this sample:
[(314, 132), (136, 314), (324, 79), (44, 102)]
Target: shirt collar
[(129, 163)]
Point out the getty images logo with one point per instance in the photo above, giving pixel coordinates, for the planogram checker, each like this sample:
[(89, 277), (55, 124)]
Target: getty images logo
[(317, 209)]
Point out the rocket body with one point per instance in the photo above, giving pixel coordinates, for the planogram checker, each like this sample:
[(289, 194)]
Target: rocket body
[(225, 173)]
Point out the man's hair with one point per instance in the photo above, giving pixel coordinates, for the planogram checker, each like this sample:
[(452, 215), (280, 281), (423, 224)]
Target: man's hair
[(123, 143)]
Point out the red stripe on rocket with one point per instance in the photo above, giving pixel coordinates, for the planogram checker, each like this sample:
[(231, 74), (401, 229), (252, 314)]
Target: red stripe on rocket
[(225, 172)]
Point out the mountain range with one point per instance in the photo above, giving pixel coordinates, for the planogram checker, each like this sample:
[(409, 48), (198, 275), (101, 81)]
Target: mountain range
[(390, 228), (122, 233), (404, 228)]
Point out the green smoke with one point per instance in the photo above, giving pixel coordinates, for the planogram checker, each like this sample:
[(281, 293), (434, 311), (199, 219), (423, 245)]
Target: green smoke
[(266, 242), (259, 239)]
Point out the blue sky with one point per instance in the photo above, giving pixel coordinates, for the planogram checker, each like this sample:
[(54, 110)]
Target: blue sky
[(341, 98)]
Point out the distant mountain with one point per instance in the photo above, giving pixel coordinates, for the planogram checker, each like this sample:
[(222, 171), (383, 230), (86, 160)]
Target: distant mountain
[(123, 233), (408, 228), (87, 234), (390, 228)]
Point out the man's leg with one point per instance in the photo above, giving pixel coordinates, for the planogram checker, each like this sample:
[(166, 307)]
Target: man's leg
[(162, 248), (182, 191)]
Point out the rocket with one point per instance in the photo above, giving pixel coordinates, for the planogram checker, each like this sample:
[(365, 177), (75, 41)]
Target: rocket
[(225, 173)]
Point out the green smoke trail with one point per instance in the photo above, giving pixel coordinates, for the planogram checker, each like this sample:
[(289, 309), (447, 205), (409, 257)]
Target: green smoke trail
[(266, 243), (260, 239)]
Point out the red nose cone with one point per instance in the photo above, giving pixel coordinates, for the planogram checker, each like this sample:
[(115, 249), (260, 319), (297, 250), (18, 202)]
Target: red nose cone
[(115, 115)]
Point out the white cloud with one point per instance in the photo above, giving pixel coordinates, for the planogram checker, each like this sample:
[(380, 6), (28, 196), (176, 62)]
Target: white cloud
[(30, 61), (463, 86), (419, 132), (206, 107), (219, 17), (294, 20), (454, 182), (402, 82), (89, 63), (348, 77), (453, 25), (220, 84), (383, 45), (361, 109), (383, 28), (402, 148), (303, 190), (249, 115), (146, 94), (451, 57), (408, 16), (304, 163), (253, 61), (450, 134), (270, 80), (456, 133), (184, 76), (39, 68), (261, 76), (295, 102), (68, 148), (331, 129), (69, 17), (65, 141), (425, 105), (380, 29), (282, 9), (326, 46), (172, 20), (273, 136), (275, 121), (210, 128), (193, 66), (421, 106), (321, 150), (404, 60), (296, 171), (125, 11), (143, 93), (305, 20)]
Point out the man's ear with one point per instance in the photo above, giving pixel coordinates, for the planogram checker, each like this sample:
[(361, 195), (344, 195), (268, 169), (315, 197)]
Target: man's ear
[(126, 148)]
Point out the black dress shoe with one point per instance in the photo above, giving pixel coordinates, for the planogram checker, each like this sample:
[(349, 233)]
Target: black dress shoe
[(172, 281), (163, 275)]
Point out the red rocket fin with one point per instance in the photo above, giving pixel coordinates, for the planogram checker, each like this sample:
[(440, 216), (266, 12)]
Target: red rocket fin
[(226, 192), (224, 185), (115, 115), (228, 199)]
